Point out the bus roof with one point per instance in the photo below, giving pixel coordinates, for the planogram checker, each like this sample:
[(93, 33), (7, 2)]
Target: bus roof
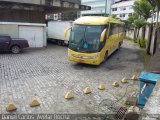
[(96, 20)]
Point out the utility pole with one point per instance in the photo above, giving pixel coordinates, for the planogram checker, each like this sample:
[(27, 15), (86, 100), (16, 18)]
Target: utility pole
[(105, 7)]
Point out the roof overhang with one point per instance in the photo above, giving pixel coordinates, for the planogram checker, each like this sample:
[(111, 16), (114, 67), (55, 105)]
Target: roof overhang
[(65, 6)]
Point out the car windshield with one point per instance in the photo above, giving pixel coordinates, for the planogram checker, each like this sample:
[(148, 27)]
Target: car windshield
[(85, 38)]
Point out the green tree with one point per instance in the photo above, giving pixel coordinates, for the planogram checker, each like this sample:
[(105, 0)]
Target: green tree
[(129, 23), (139, 23), (114, 16), (131, 19), (134, 21), (143, 8), (156, 7)]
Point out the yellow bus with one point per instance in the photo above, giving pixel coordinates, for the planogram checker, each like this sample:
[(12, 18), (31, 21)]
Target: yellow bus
[(94, 38)]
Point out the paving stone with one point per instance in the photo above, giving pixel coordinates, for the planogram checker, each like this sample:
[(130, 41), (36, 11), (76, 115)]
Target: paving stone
[(47, 74)]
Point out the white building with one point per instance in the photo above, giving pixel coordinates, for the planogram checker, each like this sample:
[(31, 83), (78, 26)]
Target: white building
[(98, 7), (123, 9)]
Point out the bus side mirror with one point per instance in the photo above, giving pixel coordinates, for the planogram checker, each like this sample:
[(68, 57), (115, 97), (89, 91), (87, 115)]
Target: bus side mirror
[(103, 35), (66, 31)]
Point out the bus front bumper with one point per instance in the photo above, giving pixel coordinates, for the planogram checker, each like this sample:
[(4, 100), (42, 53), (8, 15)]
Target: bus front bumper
[(86, 58)]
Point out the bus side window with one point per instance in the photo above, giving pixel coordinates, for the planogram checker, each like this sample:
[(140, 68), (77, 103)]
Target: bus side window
[(113, 29), (106, 34), (119, 29), (105, 38), (123, 28)]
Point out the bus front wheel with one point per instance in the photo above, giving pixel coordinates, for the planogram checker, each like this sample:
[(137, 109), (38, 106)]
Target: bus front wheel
[(106, 56)]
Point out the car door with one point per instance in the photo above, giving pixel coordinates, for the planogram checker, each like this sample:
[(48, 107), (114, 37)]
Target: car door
[(4, 43)]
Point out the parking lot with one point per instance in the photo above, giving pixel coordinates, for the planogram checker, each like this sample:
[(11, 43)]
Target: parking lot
[(46, 74)]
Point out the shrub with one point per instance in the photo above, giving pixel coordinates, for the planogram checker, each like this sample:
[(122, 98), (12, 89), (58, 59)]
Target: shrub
[(141, 42)]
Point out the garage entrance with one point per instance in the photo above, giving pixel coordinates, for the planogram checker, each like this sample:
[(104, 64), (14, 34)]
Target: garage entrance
[(34, 35)]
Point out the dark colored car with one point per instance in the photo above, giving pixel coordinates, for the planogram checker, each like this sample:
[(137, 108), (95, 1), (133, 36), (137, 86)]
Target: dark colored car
[(14, 45)]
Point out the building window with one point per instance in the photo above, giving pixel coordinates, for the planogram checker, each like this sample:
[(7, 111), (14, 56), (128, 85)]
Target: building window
[(48, 2), (123, 8), (130, 14), (131, 7), (122, 15), (114, 9)]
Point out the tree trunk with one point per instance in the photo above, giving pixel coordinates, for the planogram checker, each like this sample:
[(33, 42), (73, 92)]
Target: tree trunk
[(138, 33), (150, 35), (138, 40), (156, 33), (143, 32), (157, 18), (135, 34), (149, 38), (155, 41)]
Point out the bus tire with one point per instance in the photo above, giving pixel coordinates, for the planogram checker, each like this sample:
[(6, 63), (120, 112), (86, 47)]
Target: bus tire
[(60, 42), (119, 45), (106, 56)]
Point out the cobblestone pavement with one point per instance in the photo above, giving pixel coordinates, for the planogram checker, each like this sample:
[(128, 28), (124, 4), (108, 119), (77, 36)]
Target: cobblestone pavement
[(46, 74)]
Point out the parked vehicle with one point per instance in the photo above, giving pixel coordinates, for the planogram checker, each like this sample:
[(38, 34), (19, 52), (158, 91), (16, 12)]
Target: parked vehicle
[(93, 39), (56, 31), (14, 45)]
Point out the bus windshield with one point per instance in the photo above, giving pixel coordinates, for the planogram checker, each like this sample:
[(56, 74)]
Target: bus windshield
[(85, 38)]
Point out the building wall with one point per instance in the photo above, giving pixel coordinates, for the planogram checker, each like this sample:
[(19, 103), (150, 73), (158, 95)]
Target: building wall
[(9, 15), (97, 7), (71, 15), (123, 9), (28, 1), (30, 33), (47, 2), (11, 30)]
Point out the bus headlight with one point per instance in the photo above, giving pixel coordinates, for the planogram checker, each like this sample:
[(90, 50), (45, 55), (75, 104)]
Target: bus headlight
[(94, 57), (69, 53)]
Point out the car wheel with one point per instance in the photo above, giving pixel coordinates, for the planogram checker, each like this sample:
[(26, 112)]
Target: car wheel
[(15, 49)]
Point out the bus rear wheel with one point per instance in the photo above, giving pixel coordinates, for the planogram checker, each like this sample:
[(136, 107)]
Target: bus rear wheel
[(119, 45), (60, 43)]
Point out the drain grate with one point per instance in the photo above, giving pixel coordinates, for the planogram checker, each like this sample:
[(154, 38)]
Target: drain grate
[(121, 113)]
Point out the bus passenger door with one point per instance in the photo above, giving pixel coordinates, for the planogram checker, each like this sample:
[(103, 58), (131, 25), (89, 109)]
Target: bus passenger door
[(113, 37), (108, 45), (117, 36)]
